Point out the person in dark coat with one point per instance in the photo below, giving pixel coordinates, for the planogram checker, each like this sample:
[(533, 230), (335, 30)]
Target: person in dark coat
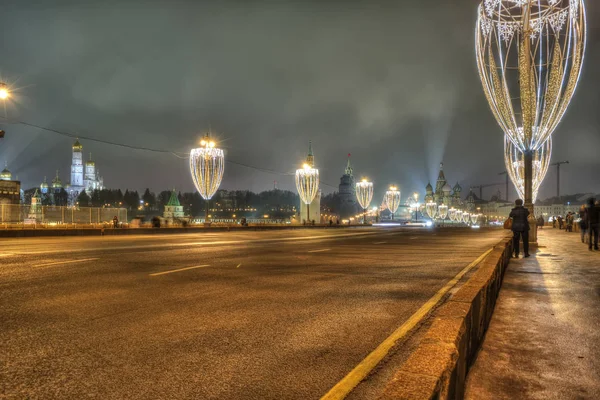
[(583, 225), (593, 221), (520, 227)]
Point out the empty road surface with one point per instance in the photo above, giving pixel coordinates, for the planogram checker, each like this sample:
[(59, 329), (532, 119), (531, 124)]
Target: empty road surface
[(238, 315)]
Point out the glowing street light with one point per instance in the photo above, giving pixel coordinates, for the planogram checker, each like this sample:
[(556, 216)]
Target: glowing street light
[(364, 194), (392, 199), (529, 55), (431, 209), (307, 183), (443, 212), (4, 91), (207, 164), (515, 165)]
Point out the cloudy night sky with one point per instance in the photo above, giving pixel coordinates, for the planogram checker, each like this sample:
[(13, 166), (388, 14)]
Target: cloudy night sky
[(394, 83)]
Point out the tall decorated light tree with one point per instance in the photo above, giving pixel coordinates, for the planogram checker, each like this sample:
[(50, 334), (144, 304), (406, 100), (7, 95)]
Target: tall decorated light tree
[(392, 199), (364, 195), (307, 183), (529, 55), (207, 164)]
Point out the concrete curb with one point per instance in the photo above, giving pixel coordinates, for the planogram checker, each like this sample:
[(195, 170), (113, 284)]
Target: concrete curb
[(437, 369)]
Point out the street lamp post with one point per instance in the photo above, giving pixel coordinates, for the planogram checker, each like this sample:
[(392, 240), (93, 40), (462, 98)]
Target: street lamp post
[(416, 201), (529, 55), (364, 195), (392, 200), (207, 164), (307, 183)]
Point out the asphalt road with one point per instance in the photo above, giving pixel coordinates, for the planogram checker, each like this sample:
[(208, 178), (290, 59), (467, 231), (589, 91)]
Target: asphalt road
[(248, 315)]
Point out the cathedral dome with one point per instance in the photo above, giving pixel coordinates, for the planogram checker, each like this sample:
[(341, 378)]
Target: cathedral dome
[(429, 188), (457, 188), (5, 175), (446, 188), (56, 182), (44, 184), (77, 146)]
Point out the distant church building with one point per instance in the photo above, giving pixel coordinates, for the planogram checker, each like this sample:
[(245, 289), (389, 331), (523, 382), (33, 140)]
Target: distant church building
[(83, 177), (347, 193), (315, 206), (10, 191), (444, 194), (173, 209)]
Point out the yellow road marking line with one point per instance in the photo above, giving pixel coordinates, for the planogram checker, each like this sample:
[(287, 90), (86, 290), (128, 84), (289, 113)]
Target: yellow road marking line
[(239, 265), (6, 254), (64, 262), (319, 251), (178, 270), (364, 368), (379, 242)]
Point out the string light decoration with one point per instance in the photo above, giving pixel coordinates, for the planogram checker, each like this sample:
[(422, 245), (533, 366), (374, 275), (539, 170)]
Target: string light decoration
[(392, 200), (474, 218), (207, 164), (307, 183), (466, 217), (529, 55), (452, 214), (431, 209), (515, 165), (364, 195), (443, 211)]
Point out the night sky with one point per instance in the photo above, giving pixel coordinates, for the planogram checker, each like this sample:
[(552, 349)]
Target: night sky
[(394, 83)]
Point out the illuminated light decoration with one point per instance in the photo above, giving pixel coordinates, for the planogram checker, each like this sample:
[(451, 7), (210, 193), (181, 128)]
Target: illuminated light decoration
[(443, 211), (207, 164), (392, 200), (4, 91), (452, 214), (529, 56), (307, 183), (466, 217), (364, 195), (515, 165), (474, 218), (431, 209)]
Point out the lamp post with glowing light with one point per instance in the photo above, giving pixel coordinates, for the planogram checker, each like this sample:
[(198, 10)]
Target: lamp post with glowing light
[(392, 200), (307, 183), (207, 164), (529, 55), (4, 91), (415, 197), (364, 194)]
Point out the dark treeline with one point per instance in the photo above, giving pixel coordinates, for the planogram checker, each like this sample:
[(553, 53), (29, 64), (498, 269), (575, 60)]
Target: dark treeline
[(276, 203)]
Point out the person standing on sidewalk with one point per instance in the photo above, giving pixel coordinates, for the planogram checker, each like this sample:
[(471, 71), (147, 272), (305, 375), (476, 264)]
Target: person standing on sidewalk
[(583, 225), (520, 227), (593, 220)]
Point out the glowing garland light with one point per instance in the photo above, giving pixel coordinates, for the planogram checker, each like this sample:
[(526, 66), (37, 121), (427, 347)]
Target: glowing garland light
[(392, 200), (466, 217), (431, 209), (515, 165), (474, 218), (207, 164), (364, 195), (452, 214), (307, 183), (443, 211), (529, 55)]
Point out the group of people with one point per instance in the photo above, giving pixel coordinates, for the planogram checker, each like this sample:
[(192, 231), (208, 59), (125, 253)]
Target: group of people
[(589, 225)]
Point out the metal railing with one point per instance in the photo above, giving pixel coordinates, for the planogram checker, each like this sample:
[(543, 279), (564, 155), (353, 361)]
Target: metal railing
[(56, 215)]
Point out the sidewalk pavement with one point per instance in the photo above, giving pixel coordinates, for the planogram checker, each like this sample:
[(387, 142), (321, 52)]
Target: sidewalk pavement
[(544, 338)]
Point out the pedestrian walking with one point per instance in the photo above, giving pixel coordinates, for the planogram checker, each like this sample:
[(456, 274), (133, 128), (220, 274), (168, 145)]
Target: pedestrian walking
[(540, 222), (520, 227), (569, 220), (560, 222), (583, 225), (115, 222), (554, 221), (593, 219)]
